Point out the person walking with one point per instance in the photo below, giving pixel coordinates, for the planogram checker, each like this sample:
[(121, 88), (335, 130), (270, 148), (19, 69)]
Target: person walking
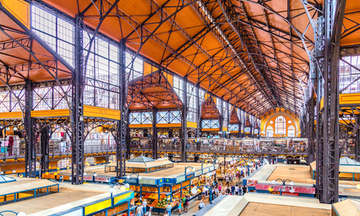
[(166, 213), (144, 203), (233, 190), (244, 189), (227, 180), (179, 207), (169, 208), (237, 190), (187, 202), (138, 210), (201, 205)]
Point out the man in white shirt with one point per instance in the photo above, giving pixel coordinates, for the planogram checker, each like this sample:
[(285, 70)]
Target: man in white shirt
[(237, 190), (144, 203)]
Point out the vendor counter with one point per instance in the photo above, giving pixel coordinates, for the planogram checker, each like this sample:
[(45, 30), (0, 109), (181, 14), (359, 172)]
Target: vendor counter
[(170, 185), (77, 200), (270, 205)]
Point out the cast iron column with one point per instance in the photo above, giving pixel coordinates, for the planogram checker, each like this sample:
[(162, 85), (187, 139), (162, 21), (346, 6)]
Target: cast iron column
[(30, 147), (183, 122), (154, 137), (357, 143), (121, 143), (198, 111), (45, 138), (77, 116), (311, 129)]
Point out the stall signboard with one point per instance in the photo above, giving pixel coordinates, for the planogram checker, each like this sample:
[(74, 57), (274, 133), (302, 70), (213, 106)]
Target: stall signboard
[(168, 180), (88, 178), (206, 170), (101, 179), (198, 173), (123, 198), (97, 207), (147, 181), (211, 168), (287, 189), (190, 176), (180, 179), (251, 183), (132, 180)]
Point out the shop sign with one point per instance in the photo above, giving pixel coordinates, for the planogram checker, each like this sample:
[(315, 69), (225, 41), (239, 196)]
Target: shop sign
[(198, 173), (251, 183), (180, 179), (147, 181), (206, 170), (286, 189), (102, 179), (88, 178), (212, 168), (97, 207), (189, 176), (122, 198)]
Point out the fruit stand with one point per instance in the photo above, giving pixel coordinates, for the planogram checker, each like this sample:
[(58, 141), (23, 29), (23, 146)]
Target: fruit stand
[(158, 190)]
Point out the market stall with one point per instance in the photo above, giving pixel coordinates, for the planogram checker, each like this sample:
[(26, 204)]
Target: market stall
[(249, 144), (169, 185)]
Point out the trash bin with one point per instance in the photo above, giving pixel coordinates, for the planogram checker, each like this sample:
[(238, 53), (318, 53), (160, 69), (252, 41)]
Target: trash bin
[(200, 197)]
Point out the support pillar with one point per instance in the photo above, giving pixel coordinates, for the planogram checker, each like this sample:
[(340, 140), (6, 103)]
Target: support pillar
[(77, 117), (198, 111), (154, 137), (45, 138), (311, 131), (30, 147), (121, 144), (328, 53), (183, 122), (357, 142)]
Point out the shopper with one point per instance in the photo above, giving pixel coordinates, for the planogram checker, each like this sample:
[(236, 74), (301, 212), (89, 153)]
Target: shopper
[(166, 213), (168, 208), (227, 180), (144, 203), (237, 190), (201, 205), (227, 190), (233, 190), (183, 201), (187, 202), (138, 210), (244, 189), (179, 207), (149, 212)]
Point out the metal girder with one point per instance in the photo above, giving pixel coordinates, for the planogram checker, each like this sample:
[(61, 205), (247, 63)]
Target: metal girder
[(30, 137), (8, 45), (328, 34), (77, 111), (207, 18), (154, 136), (311, 130), (45, 138), (184, 122), (357, 142), (122, 144)]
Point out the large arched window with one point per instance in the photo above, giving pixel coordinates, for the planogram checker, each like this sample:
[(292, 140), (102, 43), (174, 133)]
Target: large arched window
[(291, 131), (280, 125), (269, 131)]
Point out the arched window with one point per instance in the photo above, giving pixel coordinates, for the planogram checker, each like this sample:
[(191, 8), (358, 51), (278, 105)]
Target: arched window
[(269, 131), (280, 125), (291, 131)]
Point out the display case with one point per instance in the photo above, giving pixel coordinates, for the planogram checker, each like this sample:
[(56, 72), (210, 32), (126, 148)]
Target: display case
[(248, 145), (266, 144), (280, 145)]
